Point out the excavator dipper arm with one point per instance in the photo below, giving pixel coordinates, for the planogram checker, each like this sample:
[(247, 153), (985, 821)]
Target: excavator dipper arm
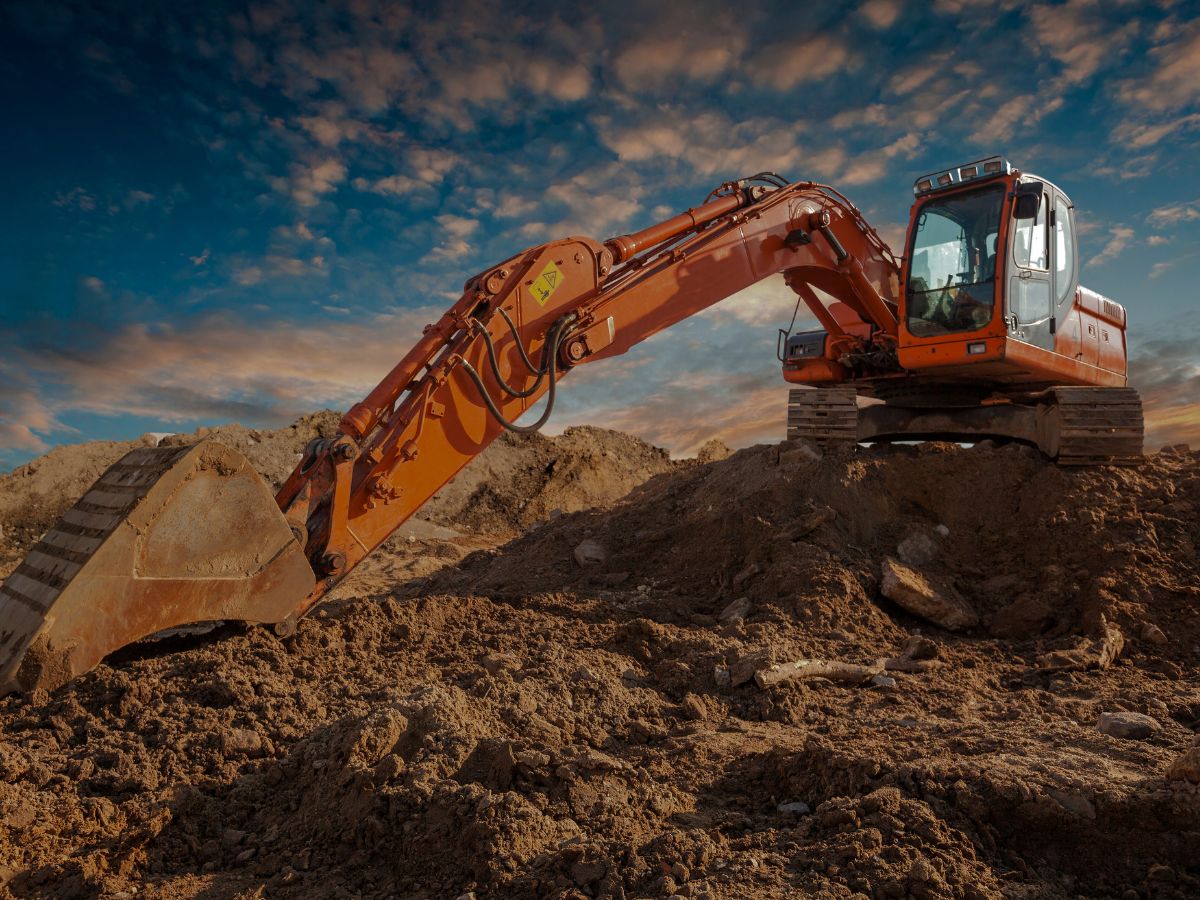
[(186, 535)]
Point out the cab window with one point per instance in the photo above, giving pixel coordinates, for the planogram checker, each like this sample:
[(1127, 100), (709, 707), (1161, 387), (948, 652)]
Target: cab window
[(952, 276), (1030, 250)]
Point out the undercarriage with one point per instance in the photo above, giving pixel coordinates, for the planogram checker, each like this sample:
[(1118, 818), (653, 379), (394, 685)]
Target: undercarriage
[(1074, 426)]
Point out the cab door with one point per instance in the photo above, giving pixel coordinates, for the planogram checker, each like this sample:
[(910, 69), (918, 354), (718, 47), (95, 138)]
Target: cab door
[(1030, 314), (1065, 258)]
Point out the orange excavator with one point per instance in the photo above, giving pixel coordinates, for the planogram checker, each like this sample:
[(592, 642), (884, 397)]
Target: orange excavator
[(980, 330)]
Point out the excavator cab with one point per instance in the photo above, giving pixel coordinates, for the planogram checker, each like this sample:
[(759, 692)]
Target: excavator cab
[(958, 260), (991, 285)]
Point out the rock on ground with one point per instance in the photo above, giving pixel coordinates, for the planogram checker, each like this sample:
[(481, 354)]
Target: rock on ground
[(1186, 767), (913, 591), (1130, 725)]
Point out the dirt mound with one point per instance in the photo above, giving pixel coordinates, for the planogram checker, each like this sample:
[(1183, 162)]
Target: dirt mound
[(1037, 551), (523, 479), (515, 482), (546, 720)]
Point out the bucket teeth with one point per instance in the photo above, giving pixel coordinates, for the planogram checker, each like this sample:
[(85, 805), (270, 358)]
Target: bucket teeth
[(167, 536)]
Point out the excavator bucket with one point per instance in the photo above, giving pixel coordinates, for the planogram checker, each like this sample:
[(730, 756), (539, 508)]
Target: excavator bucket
[(168, 536)]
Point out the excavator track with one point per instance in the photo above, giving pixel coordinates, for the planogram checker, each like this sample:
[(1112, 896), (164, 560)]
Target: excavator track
[(828, 416), (1091, 426)]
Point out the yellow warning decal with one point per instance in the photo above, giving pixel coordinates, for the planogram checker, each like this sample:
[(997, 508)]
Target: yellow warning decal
[(546, 283)]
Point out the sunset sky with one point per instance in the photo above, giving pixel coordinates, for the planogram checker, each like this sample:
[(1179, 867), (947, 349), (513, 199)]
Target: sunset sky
[(226, 212)]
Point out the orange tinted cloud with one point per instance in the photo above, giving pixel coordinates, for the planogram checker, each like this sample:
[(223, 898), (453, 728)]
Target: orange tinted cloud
[(218, 367), (712, 377), (1170, 422), (682, 422)]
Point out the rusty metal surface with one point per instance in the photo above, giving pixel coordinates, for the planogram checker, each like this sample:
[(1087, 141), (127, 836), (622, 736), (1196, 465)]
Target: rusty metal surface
[(165, 537)]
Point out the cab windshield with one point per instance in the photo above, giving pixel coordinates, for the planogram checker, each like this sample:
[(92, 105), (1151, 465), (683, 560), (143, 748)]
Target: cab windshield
[(952, 278)]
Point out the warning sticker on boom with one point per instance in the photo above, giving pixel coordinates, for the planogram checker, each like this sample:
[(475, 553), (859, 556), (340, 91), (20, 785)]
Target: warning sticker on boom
[(547, 283)]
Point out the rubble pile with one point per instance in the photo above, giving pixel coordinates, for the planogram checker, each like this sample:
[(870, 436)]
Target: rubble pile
[(916, 671)]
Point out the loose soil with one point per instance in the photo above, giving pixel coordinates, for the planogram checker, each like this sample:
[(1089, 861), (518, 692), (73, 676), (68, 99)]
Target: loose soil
[(469, 715)]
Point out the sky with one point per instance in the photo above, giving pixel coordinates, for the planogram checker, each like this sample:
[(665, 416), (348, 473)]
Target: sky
[(222, 212)]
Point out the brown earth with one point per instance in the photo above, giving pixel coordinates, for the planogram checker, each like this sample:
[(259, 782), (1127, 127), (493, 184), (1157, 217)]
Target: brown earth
[(513, 723), (514, 483)]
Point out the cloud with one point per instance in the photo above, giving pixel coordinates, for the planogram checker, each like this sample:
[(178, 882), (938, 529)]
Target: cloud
[(958, 7), (391, 185), (310, 181), (136, 198), (712, 375), (880, 14), (1174, 213), (1173, 82), (424, 169), (76, 198), (278, 265), (702, 141), (366, 75), (215, 366), (458, 226), (678, 392), (1162, 93), (248, 275), (597, 203), (1120, 239), (453, 244), (331, 125), (1134, 167), (766, 305), (1161, 268), (493, 81), (1140, 135), (873, 164), (683, 420), (1080, 37), (676, 50), (201, 259), (1166, 372), (514, 206), (913, 77), (24, 418), (874, 115), (784, 65)]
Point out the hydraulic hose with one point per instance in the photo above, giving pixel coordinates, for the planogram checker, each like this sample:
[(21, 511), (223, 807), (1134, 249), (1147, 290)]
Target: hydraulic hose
[(550, 364), (539, 371), (520, 346)]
